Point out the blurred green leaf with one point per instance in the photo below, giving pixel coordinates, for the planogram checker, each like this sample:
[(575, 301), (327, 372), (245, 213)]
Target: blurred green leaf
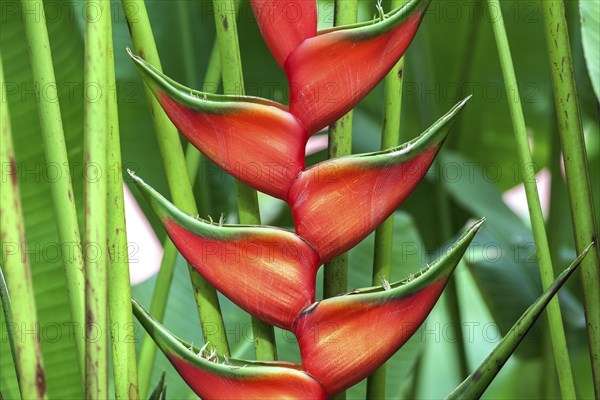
[(590, 32), (503, 259)]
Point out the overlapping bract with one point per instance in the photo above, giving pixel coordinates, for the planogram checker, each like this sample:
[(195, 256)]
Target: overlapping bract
[(345, 338), (253, 139), (270, 272), (330, 73), (336, 337), (368, 187)]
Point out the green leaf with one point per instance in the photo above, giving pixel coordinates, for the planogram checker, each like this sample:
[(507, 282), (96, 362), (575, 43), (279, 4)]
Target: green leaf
[(590, 32), (504, 260), (475, 385), (160, 391)]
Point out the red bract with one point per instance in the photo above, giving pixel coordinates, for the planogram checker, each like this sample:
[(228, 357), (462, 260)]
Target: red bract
[(330, 73), (213, 377), (268, 272), (345, 338), (367, 187), (285, 24), (253, 139), (337, 203)]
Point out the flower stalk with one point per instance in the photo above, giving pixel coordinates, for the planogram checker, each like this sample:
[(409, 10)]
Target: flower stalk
[(63, 199), (576, 168), (15, 266), (557, 333), (119, 288), (95, 222), (233, 83)]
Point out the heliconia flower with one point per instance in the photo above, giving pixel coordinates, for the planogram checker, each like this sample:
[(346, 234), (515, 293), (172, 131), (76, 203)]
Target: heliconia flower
[(285, 24), (345, 338), (253, 139), (269, 272), (331, 72), (214, 377), (338, 202)]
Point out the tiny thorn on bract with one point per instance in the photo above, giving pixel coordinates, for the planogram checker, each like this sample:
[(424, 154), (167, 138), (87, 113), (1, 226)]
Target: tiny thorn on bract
[(385, 283), (380, 11)]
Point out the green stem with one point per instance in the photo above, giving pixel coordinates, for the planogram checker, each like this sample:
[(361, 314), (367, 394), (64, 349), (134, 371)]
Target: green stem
[(177, 177), (554, 226), (96, 184), (335, 273), (559, 344), (335, 276), (576, 168), (119, 289), (55, 149), (247, 199), (194, 159), (384, 235), (15, 266), (194, 162)]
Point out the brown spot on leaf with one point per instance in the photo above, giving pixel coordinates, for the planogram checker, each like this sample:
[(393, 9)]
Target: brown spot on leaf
[(225, 23), (12, 170), (40, 381)]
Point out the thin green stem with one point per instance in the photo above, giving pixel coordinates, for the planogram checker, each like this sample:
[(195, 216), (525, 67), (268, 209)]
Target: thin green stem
[(55, 149), (384, 235), (96, 185), (177, 177), (335, 273), (576, 168), (559, 344), (247, 199), (15, 266), (119, 289)]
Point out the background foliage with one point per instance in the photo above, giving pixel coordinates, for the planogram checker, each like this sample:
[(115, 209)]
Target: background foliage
[(452, 56)]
